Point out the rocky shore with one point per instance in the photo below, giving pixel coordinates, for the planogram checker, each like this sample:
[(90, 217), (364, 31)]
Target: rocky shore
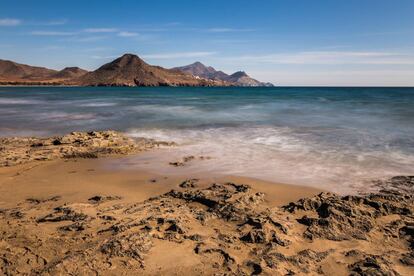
[(224, 228), (188, 227), (19, 150)]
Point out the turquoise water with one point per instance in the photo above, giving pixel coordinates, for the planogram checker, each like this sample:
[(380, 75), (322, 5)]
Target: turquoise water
[(329, 137)]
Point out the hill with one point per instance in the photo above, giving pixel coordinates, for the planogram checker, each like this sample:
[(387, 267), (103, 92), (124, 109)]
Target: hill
[(130, 70), (239, 78)]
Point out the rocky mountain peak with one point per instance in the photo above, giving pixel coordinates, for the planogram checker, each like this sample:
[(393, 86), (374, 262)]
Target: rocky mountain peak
[(239, 74)]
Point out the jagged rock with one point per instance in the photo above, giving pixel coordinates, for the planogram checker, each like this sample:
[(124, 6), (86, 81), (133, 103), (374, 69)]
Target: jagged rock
[(107, 217), (341, 218), (189, 183), (16, 214), (75, 227), (203, 248), (102, 198), (262, 236), (306, 261), (39, 200), (229, 201), (134, 245), (408, 258), (177, 164), (183, 161), (217, 222), (256, 268), (400, 183), (372, 265), (19, 150), (63, 213)]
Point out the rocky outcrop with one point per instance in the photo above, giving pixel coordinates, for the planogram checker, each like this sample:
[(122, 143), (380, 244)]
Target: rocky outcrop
[(339, 218), (18, 150), (228, 228)]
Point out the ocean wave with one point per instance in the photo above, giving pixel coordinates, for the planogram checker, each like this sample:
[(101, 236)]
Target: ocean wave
[(58, 116), (98, 104), (15, 101), (278, 154)]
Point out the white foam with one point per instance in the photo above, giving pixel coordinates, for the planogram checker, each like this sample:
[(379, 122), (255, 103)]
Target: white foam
[(65, 116), (98, 104), (276, 154), (6, 101)]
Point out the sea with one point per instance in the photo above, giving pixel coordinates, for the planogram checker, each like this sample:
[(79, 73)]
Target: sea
[(333, 138)]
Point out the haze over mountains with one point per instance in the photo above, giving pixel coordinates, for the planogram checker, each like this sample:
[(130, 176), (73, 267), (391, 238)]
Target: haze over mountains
[(239, 78), (127, 70)]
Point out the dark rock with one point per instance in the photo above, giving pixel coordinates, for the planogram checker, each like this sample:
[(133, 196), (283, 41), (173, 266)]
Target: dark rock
[(177, 164), (342, 218), (85, 155), (408, 258), (63, 213), (56, 142), (75, 227), (189, 183), (257, 269), (372, 265), (134, 246), (102, 198), (39, 201), (107, 217)]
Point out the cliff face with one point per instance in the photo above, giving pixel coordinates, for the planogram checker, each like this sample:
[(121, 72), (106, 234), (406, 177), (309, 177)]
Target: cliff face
[(130, 70), (239, 78)]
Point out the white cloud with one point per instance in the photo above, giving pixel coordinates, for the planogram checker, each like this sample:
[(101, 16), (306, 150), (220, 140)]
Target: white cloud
[(55, 22), (85, 38), (178, 55), (336, 77), (330, 58), (7, 22), (100, 30), (52, 33), (127, 34)]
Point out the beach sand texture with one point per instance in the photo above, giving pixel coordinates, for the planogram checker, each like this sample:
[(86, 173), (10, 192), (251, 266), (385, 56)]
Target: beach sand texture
[(73, 215)]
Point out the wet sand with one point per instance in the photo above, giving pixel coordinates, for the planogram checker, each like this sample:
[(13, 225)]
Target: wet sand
[(77, 180), (80, 216)]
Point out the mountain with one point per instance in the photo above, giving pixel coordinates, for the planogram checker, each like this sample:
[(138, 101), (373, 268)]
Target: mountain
[(13, 71), (239, 78), (130, 70), (127, 70), (242, 79), (16, 73), (200, 70), (70, 73)]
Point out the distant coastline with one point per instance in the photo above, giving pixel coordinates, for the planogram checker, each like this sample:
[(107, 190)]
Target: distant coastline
[(127, 70)]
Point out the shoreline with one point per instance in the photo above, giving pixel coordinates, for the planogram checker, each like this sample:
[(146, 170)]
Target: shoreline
[(77, 216), (90, 173)]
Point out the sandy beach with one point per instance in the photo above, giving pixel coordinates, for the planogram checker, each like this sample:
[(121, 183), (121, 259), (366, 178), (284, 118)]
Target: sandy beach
[(72, 214)]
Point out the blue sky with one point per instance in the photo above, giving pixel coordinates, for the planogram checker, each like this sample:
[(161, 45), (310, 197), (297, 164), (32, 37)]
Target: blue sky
[(288, 42)]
